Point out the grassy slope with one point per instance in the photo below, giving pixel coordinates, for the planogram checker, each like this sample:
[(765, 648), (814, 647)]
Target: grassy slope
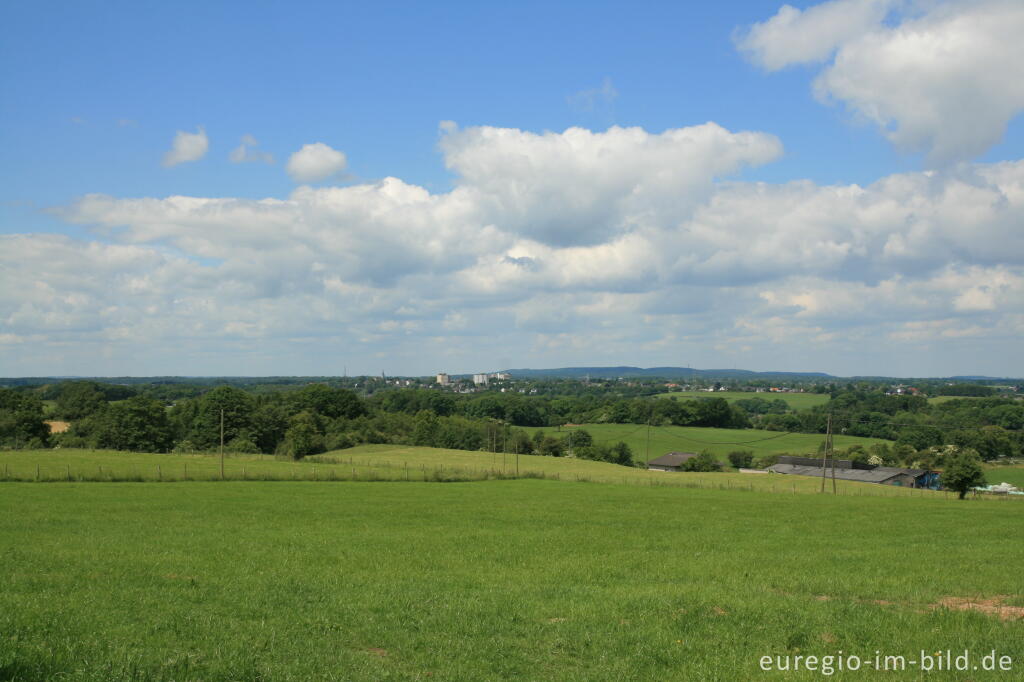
[(1011, 474), (389, 462), (796, 401), (719, 441), (527, 579)]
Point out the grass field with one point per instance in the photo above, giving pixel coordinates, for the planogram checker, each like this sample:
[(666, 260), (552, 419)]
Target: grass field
[(719, 441), (947, 398), (796, 401), (389, 463), (529, 579), (1013, 475)]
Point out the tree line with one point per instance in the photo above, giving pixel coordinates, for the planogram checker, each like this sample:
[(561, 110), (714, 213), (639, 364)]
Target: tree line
[(994, 427), (317, 417), (294, 424)]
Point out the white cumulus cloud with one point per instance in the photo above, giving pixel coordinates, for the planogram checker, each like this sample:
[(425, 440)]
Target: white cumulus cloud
[(943, 78), (582, 187), (793, 36), (315, 162), (605, 243), (187, 147)]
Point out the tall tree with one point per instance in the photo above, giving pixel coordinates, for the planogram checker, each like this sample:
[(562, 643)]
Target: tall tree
[(21, 420), (78, 399), (238, 407), (962, 472), (304, 437), (138, 424)]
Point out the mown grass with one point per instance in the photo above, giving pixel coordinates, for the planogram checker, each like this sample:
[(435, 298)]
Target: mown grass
[(537, 580), (947, 398), (390, 463), (720, 442), (796, 401), (1014, 475)]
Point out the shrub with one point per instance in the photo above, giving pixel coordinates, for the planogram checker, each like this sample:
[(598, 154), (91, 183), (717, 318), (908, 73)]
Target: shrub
[(705, 461), (69, 440), (242, 445), (621, 454), (550, 447), (302, 441), (765, 461), (339, 441), (579, 439), (741, 459)]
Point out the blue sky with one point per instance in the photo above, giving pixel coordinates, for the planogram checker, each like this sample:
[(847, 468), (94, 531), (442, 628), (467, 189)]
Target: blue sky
[(869, 223)]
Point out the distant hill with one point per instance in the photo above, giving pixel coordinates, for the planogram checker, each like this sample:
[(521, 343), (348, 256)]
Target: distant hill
[(665, 372)]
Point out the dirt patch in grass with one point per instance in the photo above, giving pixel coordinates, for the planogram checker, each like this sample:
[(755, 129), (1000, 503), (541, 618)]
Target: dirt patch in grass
[(992, 606)]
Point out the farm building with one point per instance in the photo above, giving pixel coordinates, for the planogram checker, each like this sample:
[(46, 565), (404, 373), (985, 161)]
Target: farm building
[(857, 471), (672, 461)]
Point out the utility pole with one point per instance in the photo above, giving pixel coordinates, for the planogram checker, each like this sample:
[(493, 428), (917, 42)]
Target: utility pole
[(648, 458), (825, 454), (222, 443), (832, 456)]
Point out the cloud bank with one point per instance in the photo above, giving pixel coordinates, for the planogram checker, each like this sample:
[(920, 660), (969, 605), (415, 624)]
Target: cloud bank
[(552, 248)]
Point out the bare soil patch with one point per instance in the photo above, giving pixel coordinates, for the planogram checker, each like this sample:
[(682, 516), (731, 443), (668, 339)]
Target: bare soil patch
[(58, 427), (992, 606)]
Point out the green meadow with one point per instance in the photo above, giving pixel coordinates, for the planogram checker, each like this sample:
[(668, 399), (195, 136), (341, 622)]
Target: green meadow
[(947, 398), (489, 580), (796, 401), (379, 463), (1013, 475), (694, 439)]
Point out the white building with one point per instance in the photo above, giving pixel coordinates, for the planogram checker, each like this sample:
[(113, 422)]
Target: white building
[(442, 379), (480, 379)]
